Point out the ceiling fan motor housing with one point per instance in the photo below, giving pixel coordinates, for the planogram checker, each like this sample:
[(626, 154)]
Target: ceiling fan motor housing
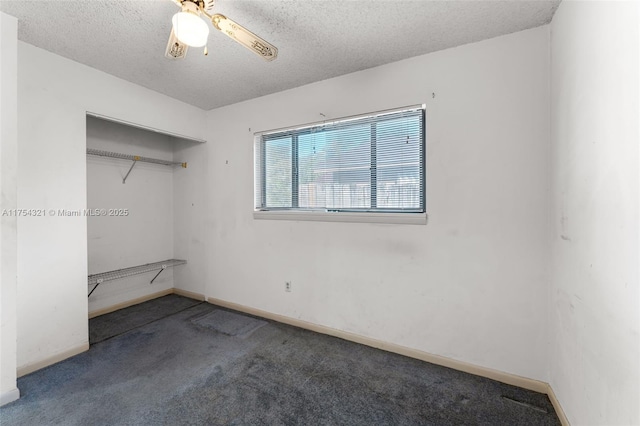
[(191, 7), (207, 5)]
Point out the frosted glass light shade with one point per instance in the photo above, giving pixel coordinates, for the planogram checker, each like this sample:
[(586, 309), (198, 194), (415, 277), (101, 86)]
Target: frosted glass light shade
[(190, 29)]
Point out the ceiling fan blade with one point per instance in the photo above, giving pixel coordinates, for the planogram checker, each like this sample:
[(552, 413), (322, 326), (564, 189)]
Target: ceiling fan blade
[(175, 48), (257, 45)]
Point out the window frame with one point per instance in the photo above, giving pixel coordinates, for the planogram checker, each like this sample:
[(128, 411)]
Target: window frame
[(363, 215)]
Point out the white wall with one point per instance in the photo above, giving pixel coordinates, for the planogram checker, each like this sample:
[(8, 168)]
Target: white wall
[(594, 298), (192, 217), (54, 94), (8, 224), (145, 233), (472, 284)]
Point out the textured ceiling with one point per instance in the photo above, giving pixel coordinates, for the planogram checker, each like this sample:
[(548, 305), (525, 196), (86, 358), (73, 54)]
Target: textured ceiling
[(317, 39)]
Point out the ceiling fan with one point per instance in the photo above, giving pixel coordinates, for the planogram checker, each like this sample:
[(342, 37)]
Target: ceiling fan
[(191, 30)]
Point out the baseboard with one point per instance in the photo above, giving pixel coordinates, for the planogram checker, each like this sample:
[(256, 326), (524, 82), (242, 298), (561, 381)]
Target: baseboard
[(30, 368), (9, 396), (131, 302), (189, 294), (556, 405), (510, 379)]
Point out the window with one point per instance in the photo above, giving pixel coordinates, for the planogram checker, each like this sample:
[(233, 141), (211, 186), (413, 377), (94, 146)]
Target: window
[(367, 164)]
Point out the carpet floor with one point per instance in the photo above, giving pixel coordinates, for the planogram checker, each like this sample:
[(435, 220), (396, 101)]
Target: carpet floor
[(175, 361)]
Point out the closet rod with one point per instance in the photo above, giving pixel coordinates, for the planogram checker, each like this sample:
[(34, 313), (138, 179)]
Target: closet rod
[(130, 157), (97, 279)]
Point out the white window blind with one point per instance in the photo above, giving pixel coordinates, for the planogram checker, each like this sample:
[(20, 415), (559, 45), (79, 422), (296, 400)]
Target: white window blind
[(372, 163)]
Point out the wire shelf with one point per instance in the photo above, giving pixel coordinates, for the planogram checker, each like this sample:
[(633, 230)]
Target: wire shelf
[(97, 279), (129, 157)]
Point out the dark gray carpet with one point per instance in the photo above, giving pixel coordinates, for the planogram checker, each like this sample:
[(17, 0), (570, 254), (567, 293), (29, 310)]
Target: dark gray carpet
[(179, 370), (107, 326), (229, 323)]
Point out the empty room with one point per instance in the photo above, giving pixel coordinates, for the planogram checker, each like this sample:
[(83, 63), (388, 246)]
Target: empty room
[(320, 212)]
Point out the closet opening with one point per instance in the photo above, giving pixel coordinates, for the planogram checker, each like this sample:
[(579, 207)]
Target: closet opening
[(130, 213)]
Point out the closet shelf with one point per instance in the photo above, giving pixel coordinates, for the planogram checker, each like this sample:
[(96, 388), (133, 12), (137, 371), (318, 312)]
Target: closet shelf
[(134, 158), (97, 279)]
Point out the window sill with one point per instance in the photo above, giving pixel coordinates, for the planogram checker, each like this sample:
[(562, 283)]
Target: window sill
[(353, 217)]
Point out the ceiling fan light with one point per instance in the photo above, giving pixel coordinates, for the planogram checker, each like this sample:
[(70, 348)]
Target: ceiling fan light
[(190, 29)]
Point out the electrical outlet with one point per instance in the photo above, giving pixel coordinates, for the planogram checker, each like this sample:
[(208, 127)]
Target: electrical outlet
[(287, 286)]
